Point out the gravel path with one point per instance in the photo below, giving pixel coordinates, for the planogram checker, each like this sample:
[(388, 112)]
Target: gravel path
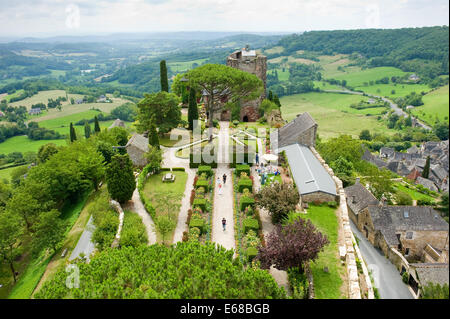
[(185, 206), (223, 201), (136, 205)]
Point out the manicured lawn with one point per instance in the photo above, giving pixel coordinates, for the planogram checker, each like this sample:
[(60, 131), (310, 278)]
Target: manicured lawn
[(24, 144), (326, 285), (333, 113), (435, 105), (184, 138), (158, 193)]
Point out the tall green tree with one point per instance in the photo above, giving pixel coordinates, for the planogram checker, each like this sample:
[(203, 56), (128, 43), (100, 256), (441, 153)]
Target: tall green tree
[(73, 134), (426, 168), (270, 96), (217, 80), (153, 138), (162, 109), (120, 178), (49, 231), (87, 130), (193, 109), (10, 232), (96, 125), (276, 100), (163, 75), (46, 151)]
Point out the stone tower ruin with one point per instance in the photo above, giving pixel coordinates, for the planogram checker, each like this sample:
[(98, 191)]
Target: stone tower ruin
[(249, 61)]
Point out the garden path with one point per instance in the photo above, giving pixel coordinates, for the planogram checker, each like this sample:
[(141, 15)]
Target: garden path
[(223, 201), (136, 205)]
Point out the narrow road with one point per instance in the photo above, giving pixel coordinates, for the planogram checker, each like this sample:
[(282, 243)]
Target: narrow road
[(386, 277), (136, 205), (392, 105), (223, 201), (85, 244)]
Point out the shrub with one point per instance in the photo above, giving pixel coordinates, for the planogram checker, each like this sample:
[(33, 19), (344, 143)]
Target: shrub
[(192, 196), (405, 277), (165, 169), (242, 168), (245, 183), (204, 184), (332, 204), (246, 201), (249, 211), (251, 224), (194, 233), (205, 169), (251, 253), (179, 169), (198, 223), (200, 202)]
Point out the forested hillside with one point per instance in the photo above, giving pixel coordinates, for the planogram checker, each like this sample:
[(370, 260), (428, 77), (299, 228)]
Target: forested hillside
[(421, 50)]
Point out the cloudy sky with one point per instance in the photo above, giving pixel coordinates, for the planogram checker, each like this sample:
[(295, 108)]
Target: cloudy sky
[(77, 17)]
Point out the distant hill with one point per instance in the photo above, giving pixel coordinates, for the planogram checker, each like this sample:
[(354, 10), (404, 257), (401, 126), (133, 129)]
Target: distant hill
[(423, 50)]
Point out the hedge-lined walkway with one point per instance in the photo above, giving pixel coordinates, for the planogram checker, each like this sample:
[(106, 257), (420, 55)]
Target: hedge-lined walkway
[(136, 205), (223, 201)]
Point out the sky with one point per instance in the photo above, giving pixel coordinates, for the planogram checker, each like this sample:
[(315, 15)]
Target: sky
[(83, 17)]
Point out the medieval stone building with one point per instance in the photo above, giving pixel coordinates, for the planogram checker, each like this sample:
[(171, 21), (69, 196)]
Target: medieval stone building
[(137, 147), (249, 61)]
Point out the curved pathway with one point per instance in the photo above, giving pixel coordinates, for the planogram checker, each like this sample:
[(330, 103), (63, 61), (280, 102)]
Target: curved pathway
[(223, 202), (136, 205)]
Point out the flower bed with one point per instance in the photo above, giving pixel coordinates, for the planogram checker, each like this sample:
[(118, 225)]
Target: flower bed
[(199, 216), (248, 230)]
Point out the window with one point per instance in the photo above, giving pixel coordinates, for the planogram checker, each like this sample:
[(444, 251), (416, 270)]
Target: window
[(409, 235), (406, 251), (405, 214)]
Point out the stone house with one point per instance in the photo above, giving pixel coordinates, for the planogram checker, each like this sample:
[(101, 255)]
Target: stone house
[(302, 130), (35, 111), (422, 274), (358, 200), (249, 61), (408, 229), (137, 147)]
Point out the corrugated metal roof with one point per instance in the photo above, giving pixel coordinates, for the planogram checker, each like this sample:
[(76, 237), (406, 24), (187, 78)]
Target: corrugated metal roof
[(309, 175)]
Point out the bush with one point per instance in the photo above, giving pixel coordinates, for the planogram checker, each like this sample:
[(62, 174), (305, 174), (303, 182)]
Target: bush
[(179, 169), (165, 169), (194, 233), (425, 202), (205, 169), (251, 253), (249, 211), (251, 224), (332, 204), (200, 202), (197, 223), (242, 168), (405, 277), (204, 184), (245, 183), (246, 201)]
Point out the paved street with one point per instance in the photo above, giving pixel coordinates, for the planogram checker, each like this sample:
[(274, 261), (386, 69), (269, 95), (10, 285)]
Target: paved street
[(386, 276), (85, 244)]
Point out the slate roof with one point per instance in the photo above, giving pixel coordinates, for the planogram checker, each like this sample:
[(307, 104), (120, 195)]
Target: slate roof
[(439, 171), (139, 142), (437, 273), (387, 151), (427, 183), (389, 219), (358, 197), (309, 175), (413, 150), (289, 133)]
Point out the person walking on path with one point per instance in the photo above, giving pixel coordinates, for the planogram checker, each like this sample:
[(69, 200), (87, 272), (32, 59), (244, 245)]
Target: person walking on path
[(224, 223), (224, 179), (257, 159), (220, 188)]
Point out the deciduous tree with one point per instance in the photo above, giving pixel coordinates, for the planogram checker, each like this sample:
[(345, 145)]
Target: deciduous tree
[(278, 199)]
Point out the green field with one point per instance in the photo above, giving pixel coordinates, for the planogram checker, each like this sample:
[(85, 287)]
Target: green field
[(15, 94), (327, 86), (333, 113), (41, 97), (24, 144), (6, 173), (356, 78), (179, 67), (400, 89), (435, 105), (412, 192), (282, 76)]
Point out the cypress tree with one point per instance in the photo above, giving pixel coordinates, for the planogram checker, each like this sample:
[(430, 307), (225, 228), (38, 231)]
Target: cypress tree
[(193, 109), (163, 75), (276, 100), (96, 125), (73, 135), (270, 97), (87, 130), (426, 168), (153, 138), (120, 178)]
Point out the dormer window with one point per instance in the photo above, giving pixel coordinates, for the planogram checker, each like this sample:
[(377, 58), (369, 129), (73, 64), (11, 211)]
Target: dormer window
[(405, 214)]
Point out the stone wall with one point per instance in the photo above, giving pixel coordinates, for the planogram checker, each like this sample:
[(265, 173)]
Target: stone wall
[(354, 290), (318, 197), (416, 245)]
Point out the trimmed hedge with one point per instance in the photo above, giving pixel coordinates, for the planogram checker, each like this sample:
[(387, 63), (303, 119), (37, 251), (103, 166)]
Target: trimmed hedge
[(251, 224), (200, 202), (246, 201), (165, 169), (202, 162), (180, 169), (251, 253), (245, 183), (205, 169), (204, 184), (242, 169), (246, 158), (198, 223)]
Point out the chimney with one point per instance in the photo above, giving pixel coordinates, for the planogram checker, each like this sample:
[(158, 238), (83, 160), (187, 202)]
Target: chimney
[(357, 180)]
